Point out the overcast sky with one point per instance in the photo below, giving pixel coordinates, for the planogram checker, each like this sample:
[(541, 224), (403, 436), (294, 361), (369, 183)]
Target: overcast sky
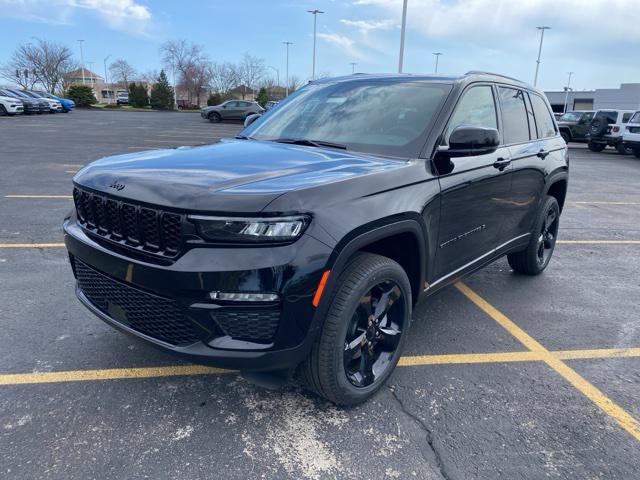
[(599, 40)]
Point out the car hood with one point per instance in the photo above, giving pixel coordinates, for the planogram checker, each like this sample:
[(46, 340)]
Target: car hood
[(231, 176), (10, 99)]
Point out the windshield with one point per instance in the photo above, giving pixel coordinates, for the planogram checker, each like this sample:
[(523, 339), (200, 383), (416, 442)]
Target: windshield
[(570, 117), (386, 117), (635, 118)]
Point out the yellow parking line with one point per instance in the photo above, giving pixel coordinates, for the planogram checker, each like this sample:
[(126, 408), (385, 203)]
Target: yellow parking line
[(65, 197), (599, 242), (106, 374), (406, 361), (626, 421), (31, 245)]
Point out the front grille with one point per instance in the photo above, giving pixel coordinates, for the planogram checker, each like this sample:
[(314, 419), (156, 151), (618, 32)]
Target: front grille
[(246, 324), (144, 312), (151, 230)]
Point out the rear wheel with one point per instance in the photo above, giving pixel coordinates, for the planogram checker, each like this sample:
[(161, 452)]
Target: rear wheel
[(3, 110), (214, 117), (363, 333), (535, 258), (596, 147), (623, 150)]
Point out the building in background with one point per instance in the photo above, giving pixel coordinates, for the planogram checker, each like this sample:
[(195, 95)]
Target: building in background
[(627, 97)]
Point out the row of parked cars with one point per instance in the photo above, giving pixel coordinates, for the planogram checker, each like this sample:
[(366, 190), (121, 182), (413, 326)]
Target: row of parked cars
[(619, 129), (15, 102)]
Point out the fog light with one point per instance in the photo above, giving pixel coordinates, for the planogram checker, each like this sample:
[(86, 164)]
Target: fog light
[(244, 297)]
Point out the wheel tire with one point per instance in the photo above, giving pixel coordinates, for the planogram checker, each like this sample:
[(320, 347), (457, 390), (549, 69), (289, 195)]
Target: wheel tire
[(597, 147), (529, 261), (565, 136), (636, 152), (3, 110), (324, 371), (214, 117), (623, 150)]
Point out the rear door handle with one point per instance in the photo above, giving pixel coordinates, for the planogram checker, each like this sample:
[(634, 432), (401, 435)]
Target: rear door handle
[(542, 154), (501, 163)]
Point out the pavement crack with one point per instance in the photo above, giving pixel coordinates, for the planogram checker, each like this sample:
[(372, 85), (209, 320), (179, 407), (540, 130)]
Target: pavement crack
[(428, 435)]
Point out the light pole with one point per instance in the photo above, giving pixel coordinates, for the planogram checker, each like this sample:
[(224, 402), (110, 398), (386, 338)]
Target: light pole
[(106, 81), (81, 61), (402, 30), (315, 18), (287, 85), (566, 95), (437, 55), (353, 67), (542, 29), (91, 79)]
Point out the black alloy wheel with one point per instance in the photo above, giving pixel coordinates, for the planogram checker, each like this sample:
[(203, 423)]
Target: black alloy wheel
[(374, 334), (547, 237)]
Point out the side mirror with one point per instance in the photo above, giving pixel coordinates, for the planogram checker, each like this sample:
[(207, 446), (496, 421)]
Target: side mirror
[(466, 140), (251, 118)]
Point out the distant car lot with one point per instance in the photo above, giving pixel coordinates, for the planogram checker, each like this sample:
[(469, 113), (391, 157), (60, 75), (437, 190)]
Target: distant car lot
[(470, 401)]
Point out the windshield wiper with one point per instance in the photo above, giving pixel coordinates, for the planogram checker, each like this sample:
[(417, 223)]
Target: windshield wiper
[(310, 143), (243, 137)]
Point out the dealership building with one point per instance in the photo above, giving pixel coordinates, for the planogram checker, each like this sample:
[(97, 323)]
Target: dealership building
[(627, 97)]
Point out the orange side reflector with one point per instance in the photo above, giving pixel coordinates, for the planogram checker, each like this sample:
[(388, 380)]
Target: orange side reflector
[(323, 282)]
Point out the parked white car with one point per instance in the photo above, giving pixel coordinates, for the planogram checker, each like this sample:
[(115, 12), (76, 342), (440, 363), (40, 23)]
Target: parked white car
[(631, 135), (10, 105)]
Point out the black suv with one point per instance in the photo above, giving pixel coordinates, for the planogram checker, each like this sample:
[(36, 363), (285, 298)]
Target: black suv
[(302, 245)]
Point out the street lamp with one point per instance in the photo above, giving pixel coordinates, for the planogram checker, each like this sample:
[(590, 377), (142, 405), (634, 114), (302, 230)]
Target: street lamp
[(353, 67), (106, 82), (81, 61), (315, 18), (437, 55), (287, 85), (402, 30), (566, 95), (542, 29)]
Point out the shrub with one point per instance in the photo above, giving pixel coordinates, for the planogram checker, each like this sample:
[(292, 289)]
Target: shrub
[(112, 105), (262, 97), (82, 95), (138, 96), (162, 93), (214, 99)]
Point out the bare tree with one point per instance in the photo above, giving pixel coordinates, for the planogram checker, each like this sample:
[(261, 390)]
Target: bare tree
[(252, 70), (294, 83), (191, 64), (150, 76), (122, 72), (225, 76), (44, 63), (196, 77)]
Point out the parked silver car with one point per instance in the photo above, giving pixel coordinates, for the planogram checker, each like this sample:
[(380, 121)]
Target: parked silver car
[(231, 110)]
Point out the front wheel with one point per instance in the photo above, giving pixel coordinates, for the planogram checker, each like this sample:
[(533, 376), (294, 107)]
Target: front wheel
[(535, 258), (214, 117), (566, 137), (363, 333)]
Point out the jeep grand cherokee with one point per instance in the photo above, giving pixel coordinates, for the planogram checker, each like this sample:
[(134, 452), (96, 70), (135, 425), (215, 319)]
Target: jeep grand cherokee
[(303, 244)]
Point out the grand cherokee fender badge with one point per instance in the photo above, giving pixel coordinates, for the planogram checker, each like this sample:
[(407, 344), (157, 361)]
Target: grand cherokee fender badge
[(116, 185), (463, 235)]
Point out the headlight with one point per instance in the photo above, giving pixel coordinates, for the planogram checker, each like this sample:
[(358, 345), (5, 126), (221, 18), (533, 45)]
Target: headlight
[(251, 230)]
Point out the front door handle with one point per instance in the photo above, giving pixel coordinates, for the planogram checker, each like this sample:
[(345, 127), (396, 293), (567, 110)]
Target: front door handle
[(502, 163), (542, 154)]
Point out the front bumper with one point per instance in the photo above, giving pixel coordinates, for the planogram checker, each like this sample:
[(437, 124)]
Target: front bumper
[(14, 108), (169, 305)]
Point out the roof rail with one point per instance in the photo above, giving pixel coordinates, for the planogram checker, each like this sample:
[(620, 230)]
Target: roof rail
[(481, 72)]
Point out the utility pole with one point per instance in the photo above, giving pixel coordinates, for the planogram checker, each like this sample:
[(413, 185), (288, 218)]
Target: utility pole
[(437, 54), (542, 29), (566, 96), (106, 81), (81, 61), (402, 30), (353, 67), (287, 85), (315, 17)]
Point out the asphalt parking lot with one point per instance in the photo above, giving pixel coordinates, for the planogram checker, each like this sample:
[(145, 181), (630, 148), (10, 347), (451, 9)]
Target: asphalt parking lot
[(504, 376)]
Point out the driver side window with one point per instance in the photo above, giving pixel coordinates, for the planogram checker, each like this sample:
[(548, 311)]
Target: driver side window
[(476, 108)]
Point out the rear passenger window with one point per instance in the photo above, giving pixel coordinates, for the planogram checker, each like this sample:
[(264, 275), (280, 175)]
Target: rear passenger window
[(514, 115), (476, 108), (544, 121)]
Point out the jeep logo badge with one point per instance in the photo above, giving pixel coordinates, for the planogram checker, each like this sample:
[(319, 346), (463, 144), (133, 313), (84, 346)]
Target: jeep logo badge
[(116, 185)]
